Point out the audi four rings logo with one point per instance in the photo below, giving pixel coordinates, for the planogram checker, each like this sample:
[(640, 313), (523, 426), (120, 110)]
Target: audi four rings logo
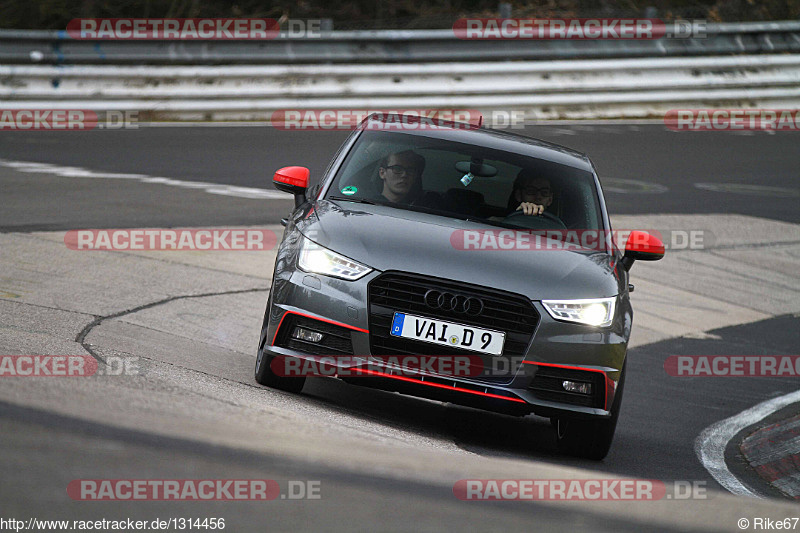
[(447, 301)]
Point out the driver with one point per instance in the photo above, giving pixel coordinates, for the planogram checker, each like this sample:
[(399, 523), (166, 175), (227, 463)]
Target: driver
[(399, 175), (531, 194)]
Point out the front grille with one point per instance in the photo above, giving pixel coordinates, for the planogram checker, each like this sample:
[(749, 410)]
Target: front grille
[(502, 311), (546, 385), (336, 341)]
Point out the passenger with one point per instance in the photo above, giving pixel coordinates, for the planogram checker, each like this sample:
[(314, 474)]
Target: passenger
[(400, 177)]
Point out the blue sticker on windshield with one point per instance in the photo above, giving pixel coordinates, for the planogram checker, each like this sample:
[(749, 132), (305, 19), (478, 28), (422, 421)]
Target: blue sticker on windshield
[(467, 179), (397, 323)]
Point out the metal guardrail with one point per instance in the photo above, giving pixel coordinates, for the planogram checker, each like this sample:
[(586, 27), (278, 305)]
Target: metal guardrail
[(542, 89), (736, 65), (387, 46), (309, 83)]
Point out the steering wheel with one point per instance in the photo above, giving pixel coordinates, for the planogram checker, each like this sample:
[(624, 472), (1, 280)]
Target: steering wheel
[(544, 221)]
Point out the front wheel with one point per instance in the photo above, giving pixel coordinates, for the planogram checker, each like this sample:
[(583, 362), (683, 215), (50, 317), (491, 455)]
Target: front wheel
[(264, 373), (265, 376), (590, 439)]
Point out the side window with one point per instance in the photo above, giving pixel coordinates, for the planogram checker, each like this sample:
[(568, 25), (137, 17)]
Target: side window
[(362, 168), (317, 185)]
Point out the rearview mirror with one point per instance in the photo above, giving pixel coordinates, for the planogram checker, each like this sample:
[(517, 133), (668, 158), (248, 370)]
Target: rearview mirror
[(293, 180), (476, 167), (642, 246)]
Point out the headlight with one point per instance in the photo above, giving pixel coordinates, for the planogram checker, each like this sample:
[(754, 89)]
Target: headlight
[(314, 258), (594, 312)]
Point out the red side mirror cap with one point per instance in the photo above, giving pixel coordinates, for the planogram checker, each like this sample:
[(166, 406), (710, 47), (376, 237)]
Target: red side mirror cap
[(291, 177), (643, 246)]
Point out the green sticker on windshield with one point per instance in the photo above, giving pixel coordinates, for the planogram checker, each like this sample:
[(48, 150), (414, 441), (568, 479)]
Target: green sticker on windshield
[(350, 190)]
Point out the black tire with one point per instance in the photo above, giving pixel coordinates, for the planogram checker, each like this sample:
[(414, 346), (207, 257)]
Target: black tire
[(263, 372), (590, 439)]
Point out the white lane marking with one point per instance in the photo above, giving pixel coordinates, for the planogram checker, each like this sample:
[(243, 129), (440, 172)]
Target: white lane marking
[(746, 188), (211, 188), (710, 444), (625, 186)]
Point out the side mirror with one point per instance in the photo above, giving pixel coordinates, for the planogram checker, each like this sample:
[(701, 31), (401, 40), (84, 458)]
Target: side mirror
[(293, 180), (642, 246)]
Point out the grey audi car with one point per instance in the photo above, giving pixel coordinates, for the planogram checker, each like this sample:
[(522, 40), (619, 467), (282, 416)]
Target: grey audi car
[(460, 264)]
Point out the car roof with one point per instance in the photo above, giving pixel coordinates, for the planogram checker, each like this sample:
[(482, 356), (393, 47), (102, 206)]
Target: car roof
[(482, 136)]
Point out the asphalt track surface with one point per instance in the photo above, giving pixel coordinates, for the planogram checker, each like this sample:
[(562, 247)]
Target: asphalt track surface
[(667, 164), (661, 415), (349, 502)]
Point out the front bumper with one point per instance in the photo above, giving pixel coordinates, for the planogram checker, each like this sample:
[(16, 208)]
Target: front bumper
[(530, 384)]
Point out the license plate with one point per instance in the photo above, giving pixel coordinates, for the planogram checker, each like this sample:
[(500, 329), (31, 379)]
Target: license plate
[(434, 331)]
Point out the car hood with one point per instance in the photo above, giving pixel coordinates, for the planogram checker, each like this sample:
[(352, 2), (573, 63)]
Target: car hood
[(387, 238)]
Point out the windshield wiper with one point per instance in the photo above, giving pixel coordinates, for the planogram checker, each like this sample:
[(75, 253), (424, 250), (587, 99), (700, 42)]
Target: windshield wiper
[(411, 207), (356, 200)]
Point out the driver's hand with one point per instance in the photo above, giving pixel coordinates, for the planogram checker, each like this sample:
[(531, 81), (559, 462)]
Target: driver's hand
[(529, 208)]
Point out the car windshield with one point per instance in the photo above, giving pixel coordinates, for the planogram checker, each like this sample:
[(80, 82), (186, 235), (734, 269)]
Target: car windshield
[(467, 181)]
